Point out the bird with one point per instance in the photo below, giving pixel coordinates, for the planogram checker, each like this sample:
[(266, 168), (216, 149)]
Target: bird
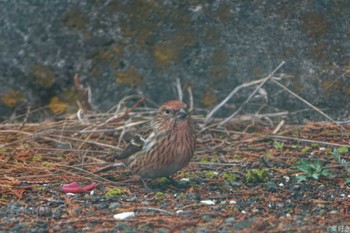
[(162, 146)]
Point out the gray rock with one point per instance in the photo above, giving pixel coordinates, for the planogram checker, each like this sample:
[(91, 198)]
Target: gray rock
[(125, 47)]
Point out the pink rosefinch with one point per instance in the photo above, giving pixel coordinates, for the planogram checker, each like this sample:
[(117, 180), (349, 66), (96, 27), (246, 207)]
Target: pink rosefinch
[(162, 146)]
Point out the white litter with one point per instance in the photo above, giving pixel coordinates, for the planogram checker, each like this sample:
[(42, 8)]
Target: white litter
[(185, 179), (124, 215), (208, 202)]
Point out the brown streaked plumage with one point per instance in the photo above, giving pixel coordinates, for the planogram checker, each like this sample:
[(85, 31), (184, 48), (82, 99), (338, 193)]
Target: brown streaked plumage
[(164, 145)]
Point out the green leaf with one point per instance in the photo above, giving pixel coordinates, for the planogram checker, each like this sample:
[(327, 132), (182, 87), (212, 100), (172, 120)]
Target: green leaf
[(327, 173), (343, 149), (315, 175), (347, 180), (301, 178), (317, 166)]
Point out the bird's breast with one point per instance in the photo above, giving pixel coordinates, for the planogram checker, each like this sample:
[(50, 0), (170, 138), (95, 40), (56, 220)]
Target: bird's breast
[(163, 155)]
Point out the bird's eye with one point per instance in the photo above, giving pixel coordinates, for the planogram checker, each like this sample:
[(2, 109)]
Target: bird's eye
[(167, 111)]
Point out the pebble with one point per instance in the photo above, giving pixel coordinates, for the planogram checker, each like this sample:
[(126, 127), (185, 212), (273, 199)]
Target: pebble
[(114, 205), (179, 212), (145, 203), (230, 220), (287, 178)]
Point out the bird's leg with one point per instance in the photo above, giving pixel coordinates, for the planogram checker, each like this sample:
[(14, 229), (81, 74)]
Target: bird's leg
[(145, 185)]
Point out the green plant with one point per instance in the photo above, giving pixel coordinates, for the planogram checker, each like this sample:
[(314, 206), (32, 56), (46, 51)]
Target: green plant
[(305, 150), (237, 157), (37, 158), (257, 176), (312, 169), (158, 195), (336, 154), (164, 181), (230, 177), (114, 192), (347, 180), (210, 174), (342, 162), (343, 149), (278, 145), (47, 164)]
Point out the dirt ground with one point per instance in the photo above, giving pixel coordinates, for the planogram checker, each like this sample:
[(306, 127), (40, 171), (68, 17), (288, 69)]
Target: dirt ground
[(243, 178)]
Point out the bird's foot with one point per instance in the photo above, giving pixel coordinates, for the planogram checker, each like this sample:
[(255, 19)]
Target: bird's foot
[(147, 188)]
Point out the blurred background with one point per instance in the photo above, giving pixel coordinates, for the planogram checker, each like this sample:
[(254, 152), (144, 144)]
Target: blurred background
[(120, 48)]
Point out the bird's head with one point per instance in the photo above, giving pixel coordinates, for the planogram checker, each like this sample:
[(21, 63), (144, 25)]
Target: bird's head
[(172, 114)]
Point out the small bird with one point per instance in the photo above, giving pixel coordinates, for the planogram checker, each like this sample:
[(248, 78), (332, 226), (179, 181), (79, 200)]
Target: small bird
[(162, 146)]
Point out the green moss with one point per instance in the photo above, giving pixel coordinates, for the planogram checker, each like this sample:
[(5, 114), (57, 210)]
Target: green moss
[(43, 75), (343, 149), (230, 177), (305, 150), (164, 54), (11, 98), (114, 192), (37, 158), (57, 105), (164, 181), (314, 24), (237, 157), (208, 160), (257, 176), (129, 77), (188, 175), (159, 195), (75, 19), (218, 74), (267, 155), (223, 13), (47, 164), (278, 145), (210, 174), (41, 188), (209, 98), (294, 160), (3, 197)]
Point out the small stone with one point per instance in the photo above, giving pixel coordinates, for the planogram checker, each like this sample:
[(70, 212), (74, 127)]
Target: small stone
[(145, 203), (270, 186), (179, 212), (114, 205), (230, 220), (286, 178), (162, 230)]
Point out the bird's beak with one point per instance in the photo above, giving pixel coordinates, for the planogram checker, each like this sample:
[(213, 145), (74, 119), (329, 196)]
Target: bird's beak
[(181, 114)]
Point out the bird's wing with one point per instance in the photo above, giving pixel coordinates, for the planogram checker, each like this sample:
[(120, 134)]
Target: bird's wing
[(136, 142)]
